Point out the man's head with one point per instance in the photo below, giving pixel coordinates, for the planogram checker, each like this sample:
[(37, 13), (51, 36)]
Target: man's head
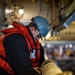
[(39, 25), (42, 25)]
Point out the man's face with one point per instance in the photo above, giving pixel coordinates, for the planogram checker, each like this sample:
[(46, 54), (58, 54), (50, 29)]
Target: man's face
[(34, 32)]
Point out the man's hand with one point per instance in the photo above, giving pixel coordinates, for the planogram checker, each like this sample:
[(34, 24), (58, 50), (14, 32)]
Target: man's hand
[(37, 69)]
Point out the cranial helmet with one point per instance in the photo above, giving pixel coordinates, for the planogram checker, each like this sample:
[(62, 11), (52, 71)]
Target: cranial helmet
[(42, 25)]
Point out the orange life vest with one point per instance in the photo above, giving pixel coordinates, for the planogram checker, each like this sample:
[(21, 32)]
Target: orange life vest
[(35, 54), (18, 28)]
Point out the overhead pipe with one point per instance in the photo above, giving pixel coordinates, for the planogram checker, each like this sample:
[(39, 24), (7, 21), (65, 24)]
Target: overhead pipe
[(66, 22), (33, 1)]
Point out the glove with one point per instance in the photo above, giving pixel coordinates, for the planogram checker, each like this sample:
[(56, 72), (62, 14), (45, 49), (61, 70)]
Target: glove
[(37, 69)]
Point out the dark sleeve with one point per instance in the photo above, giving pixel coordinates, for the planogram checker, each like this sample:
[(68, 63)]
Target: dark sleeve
[(42, 58), (18, 55)]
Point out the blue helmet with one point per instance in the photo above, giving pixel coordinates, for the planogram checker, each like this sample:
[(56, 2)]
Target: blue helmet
[(42, 24)]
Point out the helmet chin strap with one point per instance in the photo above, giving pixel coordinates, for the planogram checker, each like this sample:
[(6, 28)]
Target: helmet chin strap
[(36, 36)]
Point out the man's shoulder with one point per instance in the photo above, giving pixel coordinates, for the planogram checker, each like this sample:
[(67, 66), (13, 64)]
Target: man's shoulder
[(15, 36)]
